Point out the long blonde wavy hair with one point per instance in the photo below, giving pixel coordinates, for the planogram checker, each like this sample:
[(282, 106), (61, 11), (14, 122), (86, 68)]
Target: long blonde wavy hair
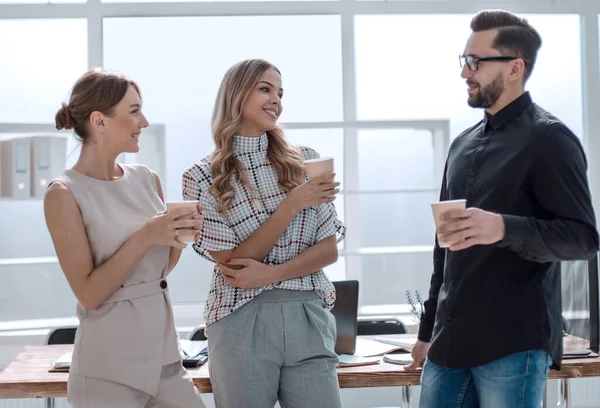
[(237, 84)]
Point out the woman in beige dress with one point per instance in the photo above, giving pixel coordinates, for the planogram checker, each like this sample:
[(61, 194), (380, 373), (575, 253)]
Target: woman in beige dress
[(116, 244)]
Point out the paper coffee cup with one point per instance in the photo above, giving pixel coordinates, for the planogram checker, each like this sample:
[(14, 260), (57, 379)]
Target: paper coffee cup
[(317, 167), (441, 207), (183, 235)]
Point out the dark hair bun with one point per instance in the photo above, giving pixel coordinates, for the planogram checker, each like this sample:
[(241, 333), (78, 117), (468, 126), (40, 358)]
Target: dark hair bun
[(63, 118)]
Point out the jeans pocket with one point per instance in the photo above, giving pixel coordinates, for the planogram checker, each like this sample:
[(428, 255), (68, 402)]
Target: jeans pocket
[(539, 361), (549, 363)]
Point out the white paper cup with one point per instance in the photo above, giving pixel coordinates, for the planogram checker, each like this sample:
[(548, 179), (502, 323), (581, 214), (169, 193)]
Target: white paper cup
[(441, 207), (317, 167), (183, 235)]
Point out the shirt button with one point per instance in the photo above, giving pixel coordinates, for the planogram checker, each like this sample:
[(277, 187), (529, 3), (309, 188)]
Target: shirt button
[(473, 173), (163, 284)]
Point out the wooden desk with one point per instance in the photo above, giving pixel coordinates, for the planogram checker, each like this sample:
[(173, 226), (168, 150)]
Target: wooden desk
[(28, 377)]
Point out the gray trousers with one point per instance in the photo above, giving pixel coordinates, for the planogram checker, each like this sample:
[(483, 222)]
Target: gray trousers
[(176, 390), (278, 347)]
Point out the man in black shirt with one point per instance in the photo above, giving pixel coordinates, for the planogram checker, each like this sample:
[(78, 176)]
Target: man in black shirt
[(492, 325)]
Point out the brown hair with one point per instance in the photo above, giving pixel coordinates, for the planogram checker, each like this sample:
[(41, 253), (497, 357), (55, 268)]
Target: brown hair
[(96, 90), (516, 37), (235, 87)]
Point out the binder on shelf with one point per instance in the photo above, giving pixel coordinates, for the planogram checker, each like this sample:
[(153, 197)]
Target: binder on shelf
[(48, 161), (16, 172)]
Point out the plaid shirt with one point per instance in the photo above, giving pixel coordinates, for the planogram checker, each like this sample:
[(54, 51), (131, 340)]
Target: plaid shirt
[(246, 214)]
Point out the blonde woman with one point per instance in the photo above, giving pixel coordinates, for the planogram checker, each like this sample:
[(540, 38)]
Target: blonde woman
[(270, 233)]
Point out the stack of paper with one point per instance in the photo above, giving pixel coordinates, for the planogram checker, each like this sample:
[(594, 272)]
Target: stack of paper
[(382, 345), (62, 364), (192, 348), (347, 360), (402, 358)]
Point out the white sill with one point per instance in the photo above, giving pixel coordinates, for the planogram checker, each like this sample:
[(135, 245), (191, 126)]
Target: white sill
[(188, 317), (35, 331), (29, 261), (39, 336)]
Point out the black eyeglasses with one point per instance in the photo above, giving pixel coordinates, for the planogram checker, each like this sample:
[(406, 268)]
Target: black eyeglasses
[(473, 62)]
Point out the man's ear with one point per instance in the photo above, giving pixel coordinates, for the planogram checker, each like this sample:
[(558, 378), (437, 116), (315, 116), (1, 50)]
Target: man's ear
[(517, 71)]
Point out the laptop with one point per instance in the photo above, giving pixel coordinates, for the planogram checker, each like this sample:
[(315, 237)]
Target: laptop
[(345, 312)]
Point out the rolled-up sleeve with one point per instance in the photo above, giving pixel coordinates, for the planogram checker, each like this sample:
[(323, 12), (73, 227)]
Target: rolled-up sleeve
[(329, 224), (217, 234)]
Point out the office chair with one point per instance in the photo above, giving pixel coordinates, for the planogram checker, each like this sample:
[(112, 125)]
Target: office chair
[(198, 333), (378, 325), (61, 335)]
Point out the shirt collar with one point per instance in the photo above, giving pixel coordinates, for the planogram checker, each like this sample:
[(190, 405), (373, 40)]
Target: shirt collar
[(245, 144), (508, 113)]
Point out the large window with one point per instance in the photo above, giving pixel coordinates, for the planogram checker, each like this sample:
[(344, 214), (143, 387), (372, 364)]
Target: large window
[(375, 84), (179, 64), (41, 59), (41, 1), (397, 181), (413, 73), (184, 1)]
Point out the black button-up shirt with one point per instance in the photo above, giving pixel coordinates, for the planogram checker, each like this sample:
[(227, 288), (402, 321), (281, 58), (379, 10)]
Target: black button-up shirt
[(490, 301)]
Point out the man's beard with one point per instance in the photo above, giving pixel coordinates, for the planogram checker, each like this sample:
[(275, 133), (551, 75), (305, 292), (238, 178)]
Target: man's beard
[(488, 96)]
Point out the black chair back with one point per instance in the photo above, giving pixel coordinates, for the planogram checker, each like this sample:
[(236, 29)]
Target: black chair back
[(198, 334), (62, 335), (379, 327)]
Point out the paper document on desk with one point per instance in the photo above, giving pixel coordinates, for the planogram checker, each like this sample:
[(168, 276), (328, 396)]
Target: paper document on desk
[(346, 360), (406, 344), (192, 347), (373, 347), (401, 359), (62, 364), (64, 360)]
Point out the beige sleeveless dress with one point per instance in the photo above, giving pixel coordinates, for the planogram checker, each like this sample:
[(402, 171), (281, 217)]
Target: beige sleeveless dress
[(131, 336)]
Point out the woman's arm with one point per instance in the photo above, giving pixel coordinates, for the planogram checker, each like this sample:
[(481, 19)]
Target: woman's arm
[(320, 190), (315, 258), (175, 253), (262, 241), (93, 285), (255, 274), (218, 233)]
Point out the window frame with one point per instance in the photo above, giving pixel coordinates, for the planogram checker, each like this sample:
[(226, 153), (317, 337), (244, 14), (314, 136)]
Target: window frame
[(587, 10)]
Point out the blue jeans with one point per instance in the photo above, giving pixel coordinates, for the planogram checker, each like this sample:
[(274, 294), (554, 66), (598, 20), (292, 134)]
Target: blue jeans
[(515, 381)]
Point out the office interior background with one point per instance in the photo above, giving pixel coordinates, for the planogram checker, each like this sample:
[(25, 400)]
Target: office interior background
[(375, 84)]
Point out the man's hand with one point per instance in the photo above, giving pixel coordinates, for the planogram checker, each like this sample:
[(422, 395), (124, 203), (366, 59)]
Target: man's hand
[(469, 227), (418, 354), (252, 274)]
